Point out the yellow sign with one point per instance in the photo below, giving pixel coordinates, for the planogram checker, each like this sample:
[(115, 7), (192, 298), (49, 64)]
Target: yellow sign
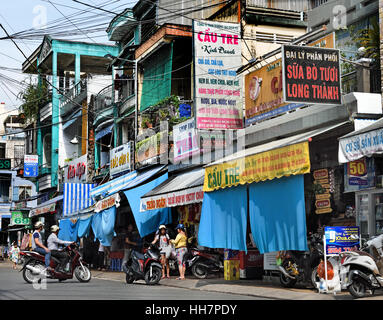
[(286, 161)]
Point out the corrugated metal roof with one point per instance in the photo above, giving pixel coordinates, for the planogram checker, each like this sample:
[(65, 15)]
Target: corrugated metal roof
[(180, 182), (378, 124)]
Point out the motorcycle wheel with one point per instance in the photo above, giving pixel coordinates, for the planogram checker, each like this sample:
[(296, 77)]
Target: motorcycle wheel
[(199, 271), (82, 273), (357, 289), (155, 278), (129, 278), (286, 281), (315, 277), (30, 277)]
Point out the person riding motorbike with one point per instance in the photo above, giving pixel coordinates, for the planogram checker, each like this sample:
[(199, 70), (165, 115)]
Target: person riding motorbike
[(53, 245), (38, 246), (165, 249)]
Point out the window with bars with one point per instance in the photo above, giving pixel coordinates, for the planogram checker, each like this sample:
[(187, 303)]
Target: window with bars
[(18, 152), (317, 3), (25, 192)]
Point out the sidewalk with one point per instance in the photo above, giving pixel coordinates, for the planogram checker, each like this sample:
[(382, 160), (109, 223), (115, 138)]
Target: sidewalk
[(256, 288)]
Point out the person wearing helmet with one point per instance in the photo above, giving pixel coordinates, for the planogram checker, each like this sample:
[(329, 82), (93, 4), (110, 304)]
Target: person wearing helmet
[(180, 245), (163, 237), (38, 246), (53, 245)]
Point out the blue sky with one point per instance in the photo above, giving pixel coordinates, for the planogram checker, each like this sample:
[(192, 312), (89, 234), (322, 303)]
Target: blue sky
[(20, 15)]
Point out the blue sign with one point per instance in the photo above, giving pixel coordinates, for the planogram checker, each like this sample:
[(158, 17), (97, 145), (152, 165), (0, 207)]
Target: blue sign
[(341, 239), (31, 166)]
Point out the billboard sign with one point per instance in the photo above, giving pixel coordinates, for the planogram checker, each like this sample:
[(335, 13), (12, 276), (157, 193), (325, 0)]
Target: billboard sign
[(341, 239), (31, 166), (121, 159), (218, 88), (185, 139), (75, 171), (311, 75)]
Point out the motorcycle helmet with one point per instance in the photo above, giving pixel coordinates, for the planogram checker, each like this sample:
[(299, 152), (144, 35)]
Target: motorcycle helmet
[(162, 227), (38, 224), (54, 228), (180, 226)]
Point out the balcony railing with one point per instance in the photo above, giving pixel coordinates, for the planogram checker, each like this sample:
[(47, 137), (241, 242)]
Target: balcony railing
[(286, 5), (73, 97), (104, 99)]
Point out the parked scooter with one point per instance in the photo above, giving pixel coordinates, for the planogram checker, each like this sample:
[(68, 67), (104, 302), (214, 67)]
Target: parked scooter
[(301, 266), (202, 263), (363, 271), (144, 266), (34, 267)]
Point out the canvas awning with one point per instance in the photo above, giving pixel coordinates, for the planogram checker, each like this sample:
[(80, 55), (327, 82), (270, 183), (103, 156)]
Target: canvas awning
[(124, 182), (361, 143), (104, 132), (46, 207), (179, 190), (76, 198), (284, 157)]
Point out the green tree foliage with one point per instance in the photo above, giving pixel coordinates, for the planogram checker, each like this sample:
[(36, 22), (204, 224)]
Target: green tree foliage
[(369, 38), (34, 97)]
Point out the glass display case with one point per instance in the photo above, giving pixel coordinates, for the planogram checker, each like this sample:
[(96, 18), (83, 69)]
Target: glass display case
[(369, 210)]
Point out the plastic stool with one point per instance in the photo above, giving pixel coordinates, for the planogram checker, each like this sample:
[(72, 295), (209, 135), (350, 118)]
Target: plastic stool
[(118, 265), (112, 264)]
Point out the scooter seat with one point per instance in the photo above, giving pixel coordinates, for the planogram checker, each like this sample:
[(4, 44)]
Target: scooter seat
[(138, 255)]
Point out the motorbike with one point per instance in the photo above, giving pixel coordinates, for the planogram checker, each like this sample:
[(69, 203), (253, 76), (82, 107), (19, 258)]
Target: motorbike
[(301, 266), (144, 266), (363, 270), (34, 266), (202, 263)]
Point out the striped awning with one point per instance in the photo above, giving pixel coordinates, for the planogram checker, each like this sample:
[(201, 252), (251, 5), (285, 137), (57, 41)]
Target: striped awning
[(124, 182), (76, 198)]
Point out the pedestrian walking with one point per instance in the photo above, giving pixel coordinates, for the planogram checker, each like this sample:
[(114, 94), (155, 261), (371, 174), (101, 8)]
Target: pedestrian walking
[(14, 254), (165, 249), (180, 243), (101, 257)]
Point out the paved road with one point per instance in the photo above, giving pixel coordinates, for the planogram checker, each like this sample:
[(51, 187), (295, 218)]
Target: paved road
[(13, 286)]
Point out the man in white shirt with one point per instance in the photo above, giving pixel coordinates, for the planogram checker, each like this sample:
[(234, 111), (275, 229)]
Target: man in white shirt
[(53, 245)]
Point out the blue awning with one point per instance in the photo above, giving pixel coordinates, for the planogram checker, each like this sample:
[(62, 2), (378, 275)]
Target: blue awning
[(104, 132), (72, 120), (124, 182), (148, 221)]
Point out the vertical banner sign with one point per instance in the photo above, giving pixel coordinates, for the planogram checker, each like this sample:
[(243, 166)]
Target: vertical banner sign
[(341, 239), (31, 165), (185, 140), (218, 88), (322, 186), (120, 159), (311, 75)]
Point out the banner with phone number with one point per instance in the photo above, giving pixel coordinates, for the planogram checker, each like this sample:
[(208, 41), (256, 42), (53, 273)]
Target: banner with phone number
[(341, 239)]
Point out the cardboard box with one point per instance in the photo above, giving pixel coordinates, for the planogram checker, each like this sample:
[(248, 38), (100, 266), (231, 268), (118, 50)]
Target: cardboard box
[(231, 269)]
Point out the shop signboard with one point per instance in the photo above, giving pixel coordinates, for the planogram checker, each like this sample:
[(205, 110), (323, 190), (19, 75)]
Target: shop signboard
[(217, 139), (270, 261), (311, 75), (172, 199), (75, 171), (107, 203), (361, 145), (152, 148), (218, 88), (322, 186), (19, 219), (185, 140), (285, 161), (264, 88), (341, 239), (5, 164), (359, 174), (41, 210), (120, 159), (31, 165)]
